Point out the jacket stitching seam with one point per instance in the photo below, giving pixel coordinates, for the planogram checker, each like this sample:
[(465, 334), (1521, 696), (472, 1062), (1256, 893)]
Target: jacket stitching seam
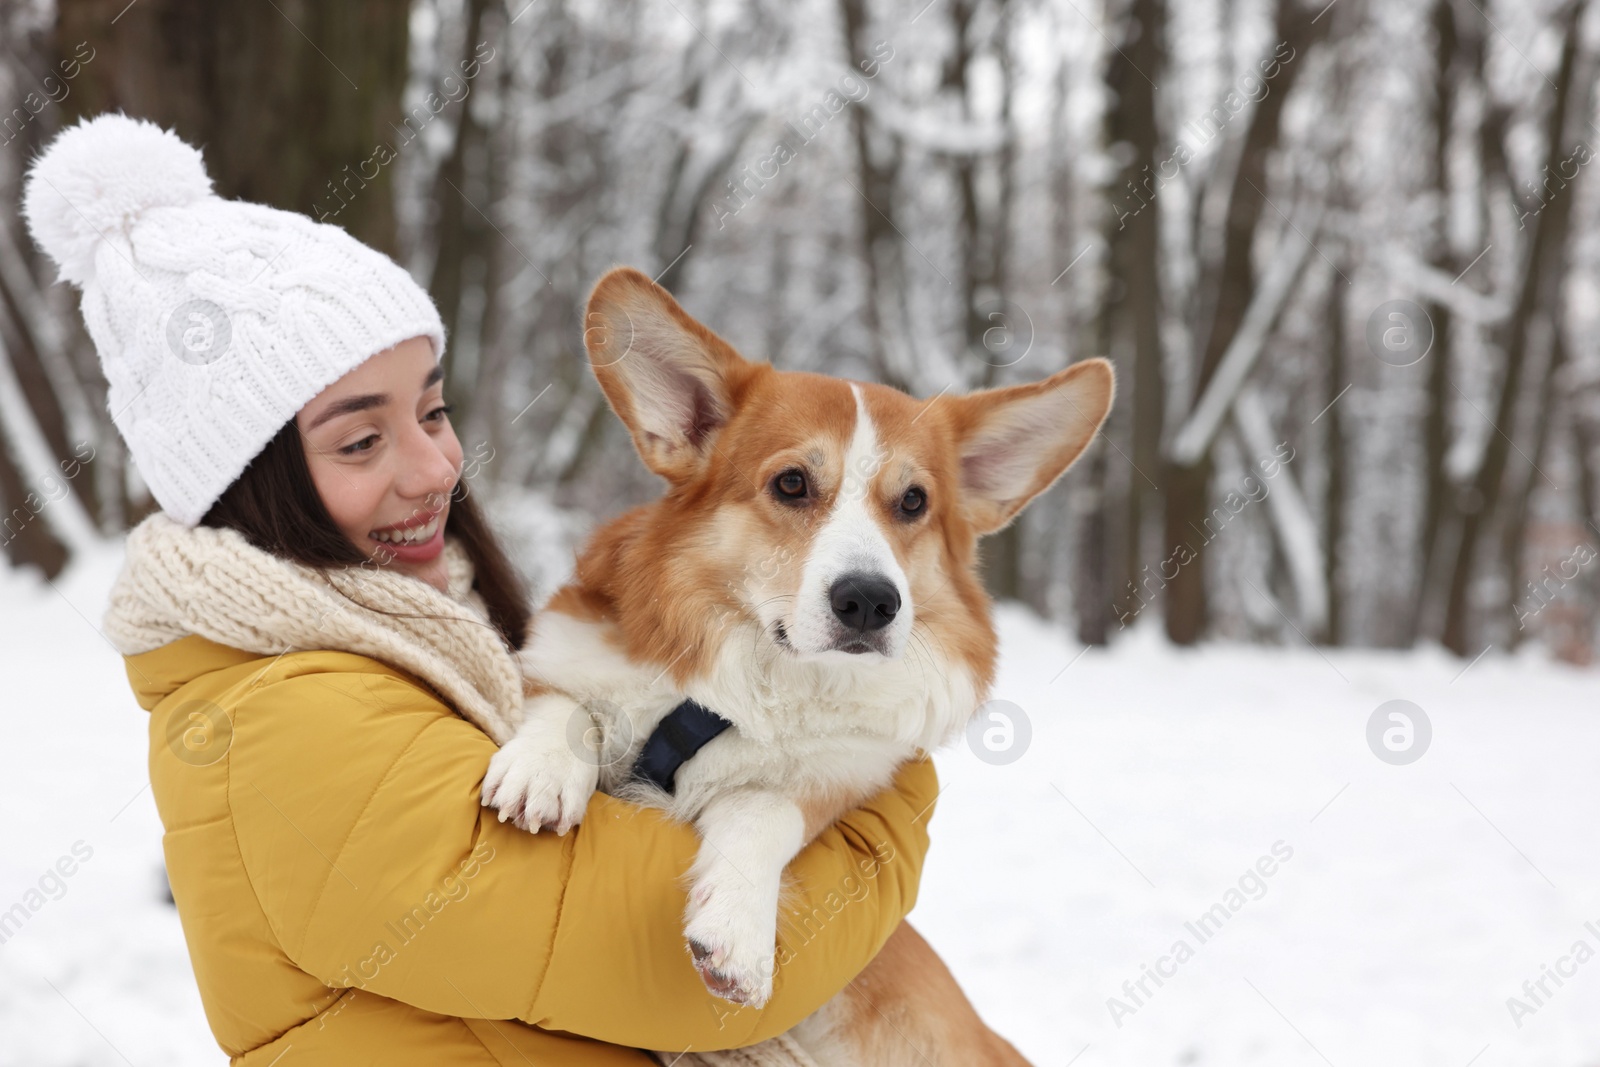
[(316, 905), (569, 860), (466, 1025), (233, 829), (233, 822)]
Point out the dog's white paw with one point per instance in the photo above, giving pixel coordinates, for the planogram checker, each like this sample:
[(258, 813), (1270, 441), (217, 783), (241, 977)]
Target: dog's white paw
[(538, 783), (732, 932)]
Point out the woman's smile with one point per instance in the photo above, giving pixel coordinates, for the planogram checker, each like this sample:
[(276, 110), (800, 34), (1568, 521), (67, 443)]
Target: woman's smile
[(416, 540)]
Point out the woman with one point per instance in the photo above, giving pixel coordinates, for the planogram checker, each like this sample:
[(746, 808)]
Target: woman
[(320, 624)]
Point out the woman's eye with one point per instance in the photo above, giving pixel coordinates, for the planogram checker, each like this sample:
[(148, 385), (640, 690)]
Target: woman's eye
[(363, 445), (790, 485), (914, 501), (437, 413)]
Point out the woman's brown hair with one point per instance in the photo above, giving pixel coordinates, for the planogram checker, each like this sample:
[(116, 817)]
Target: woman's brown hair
[(275, 505)]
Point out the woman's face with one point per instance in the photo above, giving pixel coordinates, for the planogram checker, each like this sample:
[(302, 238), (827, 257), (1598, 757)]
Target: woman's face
[(384, 458)]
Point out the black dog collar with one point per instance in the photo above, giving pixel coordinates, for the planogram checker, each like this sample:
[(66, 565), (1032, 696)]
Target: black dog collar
[(687, 729)]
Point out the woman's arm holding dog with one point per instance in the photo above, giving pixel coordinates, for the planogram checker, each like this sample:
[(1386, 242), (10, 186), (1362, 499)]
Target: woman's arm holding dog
[(431, 900)]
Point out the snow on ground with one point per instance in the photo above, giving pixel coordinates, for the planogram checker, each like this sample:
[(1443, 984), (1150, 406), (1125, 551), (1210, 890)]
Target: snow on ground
[(98, 974), (1415, 899)]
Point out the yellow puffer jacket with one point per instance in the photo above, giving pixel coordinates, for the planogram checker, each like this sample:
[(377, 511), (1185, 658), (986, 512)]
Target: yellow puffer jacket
[(346, 899)]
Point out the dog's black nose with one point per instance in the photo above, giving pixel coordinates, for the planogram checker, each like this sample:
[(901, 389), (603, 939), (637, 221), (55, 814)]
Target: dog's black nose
[(864, 602)]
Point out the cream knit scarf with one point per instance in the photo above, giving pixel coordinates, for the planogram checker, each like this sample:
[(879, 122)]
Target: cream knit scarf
[(179, 580)]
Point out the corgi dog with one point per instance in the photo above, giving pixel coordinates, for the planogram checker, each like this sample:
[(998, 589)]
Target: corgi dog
[(809, 581)]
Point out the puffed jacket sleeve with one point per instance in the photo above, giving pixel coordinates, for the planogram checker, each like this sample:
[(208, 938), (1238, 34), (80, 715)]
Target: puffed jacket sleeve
[(355, 799)]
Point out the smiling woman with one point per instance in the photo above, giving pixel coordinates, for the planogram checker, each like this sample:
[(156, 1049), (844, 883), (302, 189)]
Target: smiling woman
[(323, 630), (386, 462), (366, 475)]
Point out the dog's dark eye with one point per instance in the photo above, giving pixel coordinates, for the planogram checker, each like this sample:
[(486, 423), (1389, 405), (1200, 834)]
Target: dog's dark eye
[(790, 485), (913, 502)]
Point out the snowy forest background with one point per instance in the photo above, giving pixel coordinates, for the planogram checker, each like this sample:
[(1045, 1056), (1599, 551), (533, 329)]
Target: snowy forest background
[(1345, 258), (1343, 255)]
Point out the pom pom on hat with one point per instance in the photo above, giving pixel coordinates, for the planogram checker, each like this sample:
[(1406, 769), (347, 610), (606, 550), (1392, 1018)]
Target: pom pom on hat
[(97, 178)]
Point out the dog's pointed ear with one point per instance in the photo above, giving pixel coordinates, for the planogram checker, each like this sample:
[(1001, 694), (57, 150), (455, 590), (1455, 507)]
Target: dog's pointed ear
[(667, 377), (1016, 441)]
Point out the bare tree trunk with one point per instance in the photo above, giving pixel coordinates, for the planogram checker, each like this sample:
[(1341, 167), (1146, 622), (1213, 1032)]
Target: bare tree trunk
[(1334, 500), (461, 233), (1068, 549), (1091, 589), (1584, 440), (1514, 528), (289, 99), (1448, 71), (1135, 306), (36, 384), (39, 544), (27, 533), (25, 540), (878, 155), (982, 233), (1538, 297), (990, 323), (1127, 331), (1188, 487)]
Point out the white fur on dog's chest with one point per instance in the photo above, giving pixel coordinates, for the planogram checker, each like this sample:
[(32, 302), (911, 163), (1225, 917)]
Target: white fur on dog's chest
[(797, 726)]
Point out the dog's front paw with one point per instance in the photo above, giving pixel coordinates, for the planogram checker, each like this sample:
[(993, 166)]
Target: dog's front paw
[(732, 938), (538, 784)]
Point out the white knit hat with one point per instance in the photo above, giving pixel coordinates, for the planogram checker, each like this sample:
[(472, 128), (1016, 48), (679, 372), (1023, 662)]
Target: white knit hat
[(216, 320)]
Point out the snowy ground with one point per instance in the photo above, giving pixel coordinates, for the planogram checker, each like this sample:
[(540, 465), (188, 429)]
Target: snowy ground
[(1415, 900)]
